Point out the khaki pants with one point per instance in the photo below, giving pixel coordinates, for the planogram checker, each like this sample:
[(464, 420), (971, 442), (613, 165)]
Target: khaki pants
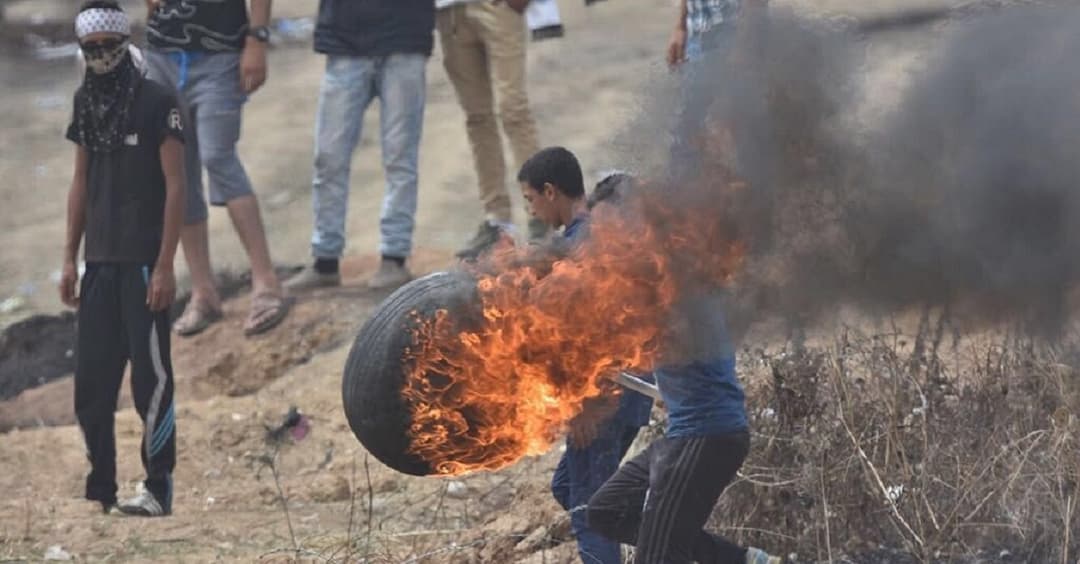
[(484, 55)]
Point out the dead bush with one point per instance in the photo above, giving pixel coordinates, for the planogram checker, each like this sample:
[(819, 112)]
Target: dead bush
[(938, 447)]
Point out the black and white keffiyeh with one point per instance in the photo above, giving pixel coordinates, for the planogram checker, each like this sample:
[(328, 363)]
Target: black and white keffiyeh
[(102, 20), (103, 102)]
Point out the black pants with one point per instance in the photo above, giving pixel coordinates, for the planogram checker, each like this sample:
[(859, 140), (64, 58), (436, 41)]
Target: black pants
[(660, 500), (115, 326)]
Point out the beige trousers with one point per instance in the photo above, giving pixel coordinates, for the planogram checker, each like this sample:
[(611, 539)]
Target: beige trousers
[(484, 55)]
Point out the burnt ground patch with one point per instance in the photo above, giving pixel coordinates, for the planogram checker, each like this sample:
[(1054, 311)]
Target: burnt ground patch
[(35, 351)]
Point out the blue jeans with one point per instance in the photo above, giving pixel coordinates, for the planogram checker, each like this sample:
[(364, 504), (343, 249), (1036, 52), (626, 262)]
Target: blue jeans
[(580, 473), (348, 87)]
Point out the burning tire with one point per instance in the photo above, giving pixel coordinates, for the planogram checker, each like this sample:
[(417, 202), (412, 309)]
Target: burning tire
[(375, 372)]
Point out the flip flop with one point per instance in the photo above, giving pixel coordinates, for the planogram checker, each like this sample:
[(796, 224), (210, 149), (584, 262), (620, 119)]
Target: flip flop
[(267, 311), (195, 319)]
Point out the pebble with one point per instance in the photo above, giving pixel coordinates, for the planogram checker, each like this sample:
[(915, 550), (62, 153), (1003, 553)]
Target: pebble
[(57, 552)]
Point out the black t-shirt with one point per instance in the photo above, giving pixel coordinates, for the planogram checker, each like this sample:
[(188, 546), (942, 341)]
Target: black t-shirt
[(125, 188), (198, 25)]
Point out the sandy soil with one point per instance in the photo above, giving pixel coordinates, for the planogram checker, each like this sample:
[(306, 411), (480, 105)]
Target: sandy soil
[(341, 504)]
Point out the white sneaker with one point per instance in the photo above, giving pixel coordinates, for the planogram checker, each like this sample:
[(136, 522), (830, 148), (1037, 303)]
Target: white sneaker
[(758, 556), (144, 504)]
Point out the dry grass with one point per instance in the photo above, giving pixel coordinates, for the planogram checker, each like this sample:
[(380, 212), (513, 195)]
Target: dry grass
[(941, 448)]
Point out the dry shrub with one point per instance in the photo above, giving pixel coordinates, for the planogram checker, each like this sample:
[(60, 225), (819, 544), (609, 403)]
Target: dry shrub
[(917, 448)]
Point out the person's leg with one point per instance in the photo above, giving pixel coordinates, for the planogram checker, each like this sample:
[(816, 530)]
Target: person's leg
[(589, 469), (204, 306), (147, 335), (688, 475), (504, 35), (347, 89), (215, 91), (401, 87), (560, 482), (466, 62), (99, 370), (615, 509), (220, 99)]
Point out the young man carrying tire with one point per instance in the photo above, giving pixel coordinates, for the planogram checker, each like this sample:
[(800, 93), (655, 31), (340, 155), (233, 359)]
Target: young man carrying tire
[(553, 188)]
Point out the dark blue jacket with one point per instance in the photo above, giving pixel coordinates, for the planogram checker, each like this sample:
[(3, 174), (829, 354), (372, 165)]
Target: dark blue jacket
[(374, 28)]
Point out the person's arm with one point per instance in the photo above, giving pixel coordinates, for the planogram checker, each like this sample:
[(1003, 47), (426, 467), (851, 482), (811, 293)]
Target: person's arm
[(253, 59), (676, 51), (76, 225), (163, 281), (151, 5), (595, 414)]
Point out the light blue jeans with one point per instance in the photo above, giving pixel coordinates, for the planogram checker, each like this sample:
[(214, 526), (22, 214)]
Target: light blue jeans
[(348, 87)]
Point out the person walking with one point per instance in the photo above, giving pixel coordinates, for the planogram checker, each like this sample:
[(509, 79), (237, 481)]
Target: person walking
[(374, 49), (212, 55), (483, 44)]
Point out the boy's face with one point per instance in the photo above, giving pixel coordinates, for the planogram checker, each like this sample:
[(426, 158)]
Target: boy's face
[(542, 204), (103, 51)]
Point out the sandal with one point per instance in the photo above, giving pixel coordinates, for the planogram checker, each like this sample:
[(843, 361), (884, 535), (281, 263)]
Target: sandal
[(195, 319), (267, 311)]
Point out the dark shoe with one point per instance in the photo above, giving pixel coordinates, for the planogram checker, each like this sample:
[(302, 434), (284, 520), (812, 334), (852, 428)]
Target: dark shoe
[(309, 279), (486, 236), (547, 32), (390, 275)]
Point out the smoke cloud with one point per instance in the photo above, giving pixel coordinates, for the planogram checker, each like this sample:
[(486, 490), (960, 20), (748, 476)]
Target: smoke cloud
[(963, 197)]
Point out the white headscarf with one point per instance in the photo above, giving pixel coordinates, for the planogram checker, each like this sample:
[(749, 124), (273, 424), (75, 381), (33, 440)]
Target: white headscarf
[(102, 20)]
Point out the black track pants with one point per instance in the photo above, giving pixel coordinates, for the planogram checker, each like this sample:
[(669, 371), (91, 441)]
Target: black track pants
[(660, 500), (115, 326)]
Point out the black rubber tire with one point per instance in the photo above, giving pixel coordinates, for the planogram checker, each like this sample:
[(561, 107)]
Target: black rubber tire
[(375, 371)]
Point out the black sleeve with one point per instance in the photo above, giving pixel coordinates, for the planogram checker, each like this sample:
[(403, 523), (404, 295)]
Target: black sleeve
[(169, 122), (72, 133)]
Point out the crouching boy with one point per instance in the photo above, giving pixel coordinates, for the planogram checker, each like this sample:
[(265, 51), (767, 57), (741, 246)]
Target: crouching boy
[(126, 200), (553, 187)]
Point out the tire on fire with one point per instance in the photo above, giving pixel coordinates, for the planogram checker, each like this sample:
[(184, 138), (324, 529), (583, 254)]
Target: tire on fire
[(375, 371)]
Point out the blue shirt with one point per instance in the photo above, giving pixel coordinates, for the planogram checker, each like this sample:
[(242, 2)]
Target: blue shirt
[(703, 398), (634, 408), (575, 229)]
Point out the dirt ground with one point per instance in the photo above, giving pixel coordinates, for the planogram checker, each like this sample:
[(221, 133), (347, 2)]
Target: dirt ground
[(342, 505)]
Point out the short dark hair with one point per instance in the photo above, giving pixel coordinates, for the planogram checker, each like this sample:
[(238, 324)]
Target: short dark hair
[(557, 166), (100, 4), (610, 189)]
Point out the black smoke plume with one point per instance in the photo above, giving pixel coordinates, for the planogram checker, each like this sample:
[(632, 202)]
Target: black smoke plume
[(964, 196)]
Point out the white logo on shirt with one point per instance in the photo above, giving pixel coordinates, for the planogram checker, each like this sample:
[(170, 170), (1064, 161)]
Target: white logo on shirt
[(174, 120), (132, 139)]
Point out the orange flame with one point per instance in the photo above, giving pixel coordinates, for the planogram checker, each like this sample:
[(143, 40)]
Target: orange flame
[(552, 335)]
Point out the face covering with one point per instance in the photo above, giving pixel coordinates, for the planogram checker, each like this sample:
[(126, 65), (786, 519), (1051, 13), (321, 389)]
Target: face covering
[(104, 57), (103, 102)]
